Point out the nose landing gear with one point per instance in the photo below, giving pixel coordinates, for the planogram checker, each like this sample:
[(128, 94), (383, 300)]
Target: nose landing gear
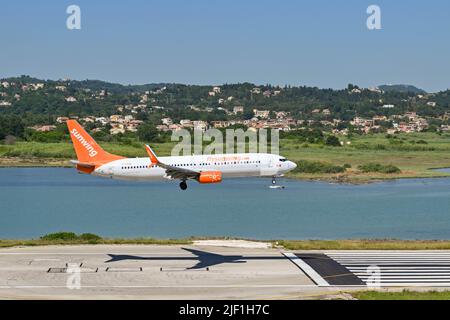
[(275, 185), (183, 185)]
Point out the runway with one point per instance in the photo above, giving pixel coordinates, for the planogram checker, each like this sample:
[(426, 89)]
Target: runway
[(149, 272), (210, 272)]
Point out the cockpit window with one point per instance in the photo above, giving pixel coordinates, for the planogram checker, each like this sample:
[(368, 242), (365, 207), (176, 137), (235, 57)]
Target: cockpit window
[(283, 159)]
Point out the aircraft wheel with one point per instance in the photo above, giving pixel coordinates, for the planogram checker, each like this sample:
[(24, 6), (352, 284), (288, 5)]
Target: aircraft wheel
[(183, 185)]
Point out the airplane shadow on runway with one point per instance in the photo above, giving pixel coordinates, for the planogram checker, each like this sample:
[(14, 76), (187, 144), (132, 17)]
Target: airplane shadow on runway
[(205, 259)]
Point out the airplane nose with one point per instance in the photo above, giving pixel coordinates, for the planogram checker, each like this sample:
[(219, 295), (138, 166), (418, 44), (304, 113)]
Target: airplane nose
[(292, 165)]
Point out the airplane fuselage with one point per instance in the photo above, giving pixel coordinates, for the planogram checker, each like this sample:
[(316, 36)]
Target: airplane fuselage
[(230, 165)]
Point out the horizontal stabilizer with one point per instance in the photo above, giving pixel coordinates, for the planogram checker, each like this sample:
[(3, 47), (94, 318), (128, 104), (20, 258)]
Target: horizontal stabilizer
[(84, 166)]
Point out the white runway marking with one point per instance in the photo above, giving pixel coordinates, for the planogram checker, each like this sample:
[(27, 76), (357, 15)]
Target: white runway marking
[(310, 272), (168, 286), (410, 268)]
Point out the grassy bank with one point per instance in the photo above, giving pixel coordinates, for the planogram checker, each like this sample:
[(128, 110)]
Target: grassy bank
[(414, 154), (70, 238), (402, 295), (39, 154), (364, 245), (118, 241), (413, 159), (289, 245), (64, 150)]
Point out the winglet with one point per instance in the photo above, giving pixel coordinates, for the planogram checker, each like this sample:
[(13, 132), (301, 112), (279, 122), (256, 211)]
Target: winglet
[(152, 155)]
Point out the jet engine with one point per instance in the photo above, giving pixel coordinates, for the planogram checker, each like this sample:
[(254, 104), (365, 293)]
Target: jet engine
[(210, 177)]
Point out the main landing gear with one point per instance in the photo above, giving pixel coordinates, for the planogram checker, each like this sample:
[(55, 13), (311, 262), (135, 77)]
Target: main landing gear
[(183, 185)]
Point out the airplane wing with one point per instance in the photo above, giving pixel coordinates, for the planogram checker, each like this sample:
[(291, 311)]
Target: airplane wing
[(208, 259), (204, 259), (172, 171)]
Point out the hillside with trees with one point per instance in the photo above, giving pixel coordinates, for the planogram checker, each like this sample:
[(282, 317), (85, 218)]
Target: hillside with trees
[(27, 101)]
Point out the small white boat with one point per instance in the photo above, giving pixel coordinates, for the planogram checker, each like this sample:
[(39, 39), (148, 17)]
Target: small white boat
[(276, 187)]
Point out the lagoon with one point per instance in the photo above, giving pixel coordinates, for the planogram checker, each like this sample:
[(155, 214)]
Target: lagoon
[(37, 201)]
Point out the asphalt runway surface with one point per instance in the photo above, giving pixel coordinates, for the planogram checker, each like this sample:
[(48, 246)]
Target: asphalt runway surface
[(210, 272)]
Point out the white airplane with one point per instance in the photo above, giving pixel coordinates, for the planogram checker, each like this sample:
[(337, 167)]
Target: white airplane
[(92, 159)]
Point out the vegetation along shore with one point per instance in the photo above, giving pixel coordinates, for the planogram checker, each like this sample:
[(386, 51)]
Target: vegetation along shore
[(71, 238), (351, 135), (367, 158)]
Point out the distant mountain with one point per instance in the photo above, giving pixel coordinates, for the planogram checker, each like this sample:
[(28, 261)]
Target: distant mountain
[(97, 85), (94, 85), (401, 88)]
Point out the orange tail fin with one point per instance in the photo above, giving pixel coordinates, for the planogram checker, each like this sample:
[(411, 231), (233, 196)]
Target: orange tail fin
[(87, 150)]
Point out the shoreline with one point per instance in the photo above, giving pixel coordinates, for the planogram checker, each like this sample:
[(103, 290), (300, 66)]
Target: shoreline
[(343, 244)]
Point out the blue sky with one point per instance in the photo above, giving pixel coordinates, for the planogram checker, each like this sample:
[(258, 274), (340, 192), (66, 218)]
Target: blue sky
[(321, 43)]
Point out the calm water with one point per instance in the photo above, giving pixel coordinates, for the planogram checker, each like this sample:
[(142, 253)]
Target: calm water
[(34, 202)]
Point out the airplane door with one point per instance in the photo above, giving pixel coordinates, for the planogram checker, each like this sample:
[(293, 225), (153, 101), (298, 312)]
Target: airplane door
[(272, 167)]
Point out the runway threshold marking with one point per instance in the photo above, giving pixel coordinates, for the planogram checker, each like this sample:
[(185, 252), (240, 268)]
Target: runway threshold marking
[(386, 269), (310, 272), (389, 269), (329, 270)]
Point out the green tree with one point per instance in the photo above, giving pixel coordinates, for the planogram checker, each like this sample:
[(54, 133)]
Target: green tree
[(333, 141), (248, 113), (11, 125), (147, 132)]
